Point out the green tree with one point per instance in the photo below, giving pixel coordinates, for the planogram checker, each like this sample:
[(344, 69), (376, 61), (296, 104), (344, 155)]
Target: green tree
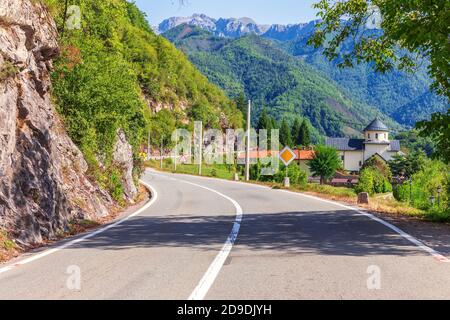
[(264, 122), (380, 165), (296, 131), (285, 134), (372, 181), (410, 28), (438, 129), (162, 125), (414, 27), (407, 166), (241, 103), (305, 134), (325, 164)]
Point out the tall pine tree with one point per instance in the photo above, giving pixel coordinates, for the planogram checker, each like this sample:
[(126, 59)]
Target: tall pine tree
[(264, 123), (296, 129), (305, 135), (285, 134)]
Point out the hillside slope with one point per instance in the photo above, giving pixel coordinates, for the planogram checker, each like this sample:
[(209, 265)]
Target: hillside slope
[(273, 78), (406, 97), (115, 73)]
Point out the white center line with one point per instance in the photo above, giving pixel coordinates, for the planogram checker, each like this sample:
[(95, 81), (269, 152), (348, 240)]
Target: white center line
[(211, 274)]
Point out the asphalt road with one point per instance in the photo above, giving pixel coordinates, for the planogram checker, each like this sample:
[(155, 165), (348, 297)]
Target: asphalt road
[(287, 246)]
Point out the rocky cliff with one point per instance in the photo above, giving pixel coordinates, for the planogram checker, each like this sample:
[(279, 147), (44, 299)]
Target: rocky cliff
[(43, 175)]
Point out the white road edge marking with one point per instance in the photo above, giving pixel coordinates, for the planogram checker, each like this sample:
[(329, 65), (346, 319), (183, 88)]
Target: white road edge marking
[(435, 254), (88, 236), (438, 256)]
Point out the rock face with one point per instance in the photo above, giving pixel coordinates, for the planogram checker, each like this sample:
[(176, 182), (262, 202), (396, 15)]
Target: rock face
[(235, 28), (43, 181), (123, 158)]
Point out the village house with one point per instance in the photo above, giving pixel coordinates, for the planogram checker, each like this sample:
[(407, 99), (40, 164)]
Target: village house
[(376, 142)]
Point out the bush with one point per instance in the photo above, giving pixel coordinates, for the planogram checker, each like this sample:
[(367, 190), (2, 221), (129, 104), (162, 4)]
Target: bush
[(296, 175), (426, 182), (365, 183), (401, 192), (115, 185), (373, 182)]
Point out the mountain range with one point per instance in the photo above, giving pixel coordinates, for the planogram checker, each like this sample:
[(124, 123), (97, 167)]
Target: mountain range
[(404, 98)]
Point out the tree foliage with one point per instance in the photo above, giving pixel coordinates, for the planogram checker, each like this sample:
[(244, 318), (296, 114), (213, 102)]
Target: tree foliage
[(408, 165), (420, 28), (409, 28), (325, 163), (285, 134), (439, 130), (373, 182), (112, 69)]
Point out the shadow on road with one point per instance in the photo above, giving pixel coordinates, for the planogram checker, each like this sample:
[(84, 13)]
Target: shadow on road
[(327, 233)]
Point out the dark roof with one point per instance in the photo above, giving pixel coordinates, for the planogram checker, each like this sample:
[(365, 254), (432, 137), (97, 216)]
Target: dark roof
[(377, 125), (345, 144)]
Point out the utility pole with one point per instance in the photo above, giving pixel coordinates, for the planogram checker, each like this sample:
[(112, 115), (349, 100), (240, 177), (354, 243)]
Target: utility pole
[(149, 147), (200, 148), (176, 151), (247, 159), (161, 154)]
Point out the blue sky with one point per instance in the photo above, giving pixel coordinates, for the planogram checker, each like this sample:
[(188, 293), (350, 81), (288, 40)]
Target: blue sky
[(262, 11)]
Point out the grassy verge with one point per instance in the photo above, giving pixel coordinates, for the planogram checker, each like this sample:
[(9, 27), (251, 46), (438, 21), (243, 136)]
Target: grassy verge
[(214, 171), (8, 248), (341, 194)]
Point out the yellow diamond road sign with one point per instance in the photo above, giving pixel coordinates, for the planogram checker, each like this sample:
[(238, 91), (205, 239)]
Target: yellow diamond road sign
[(287, 156)]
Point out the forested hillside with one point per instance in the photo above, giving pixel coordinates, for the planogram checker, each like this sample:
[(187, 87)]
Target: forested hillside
[(272, 78), (114, 72)]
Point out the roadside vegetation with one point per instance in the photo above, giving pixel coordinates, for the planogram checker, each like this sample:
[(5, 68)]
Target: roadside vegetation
[(8, 248), (114, 72), (413, 184)]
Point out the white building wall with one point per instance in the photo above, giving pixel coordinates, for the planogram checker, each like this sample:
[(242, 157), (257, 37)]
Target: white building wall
[(352, 160), (376, 136), (372, 149)]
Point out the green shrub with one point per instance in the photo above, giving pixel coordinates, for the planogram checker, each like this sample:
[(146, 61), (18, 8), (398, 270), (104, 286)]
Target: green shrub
[(373, 182), (438, 214), (401, 192), (366, 182), (426, 182), (115, 185)]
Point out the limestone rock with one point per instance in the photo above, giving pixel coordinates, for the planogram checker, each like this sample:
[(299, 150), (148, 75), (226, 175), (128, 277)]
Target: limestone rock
[(123, 158), (43, 181)]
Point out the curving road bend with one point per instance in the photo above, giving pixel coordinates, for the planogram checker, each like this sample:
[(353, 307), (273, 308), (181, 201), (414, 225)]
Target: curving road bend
[(287, 246)]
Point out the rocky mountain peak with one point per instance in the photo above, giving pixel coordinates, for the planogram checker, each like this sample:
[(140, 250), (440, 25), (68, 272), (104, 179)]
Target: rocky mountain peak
[(233, 27)]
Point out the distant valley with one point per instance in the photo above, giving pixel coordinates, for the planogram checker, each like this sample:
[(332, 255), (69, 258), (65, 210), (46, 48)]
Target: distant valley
[(275, 67)]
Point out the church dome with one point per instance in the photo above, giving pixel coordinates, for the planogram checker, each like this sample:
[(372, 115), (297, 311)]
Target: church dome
[(376, 125)]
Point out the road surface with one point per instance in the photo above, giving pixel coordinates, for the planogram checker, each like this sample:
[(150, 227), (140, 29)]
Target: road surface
[(194, 242)]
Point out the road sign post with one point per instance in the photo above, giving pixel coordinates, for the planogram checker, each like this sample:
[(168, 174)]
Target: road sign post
[(287, 156), (247, 156)]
